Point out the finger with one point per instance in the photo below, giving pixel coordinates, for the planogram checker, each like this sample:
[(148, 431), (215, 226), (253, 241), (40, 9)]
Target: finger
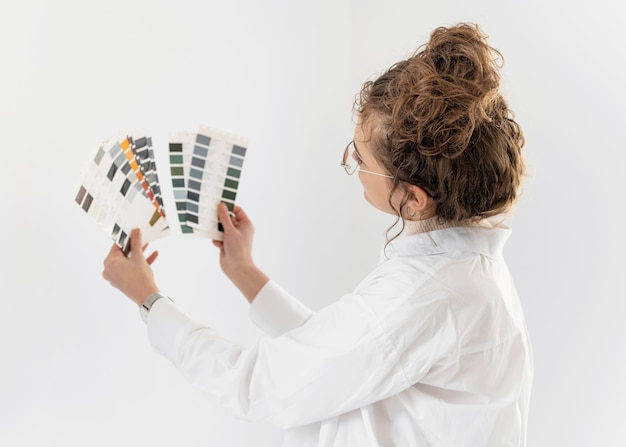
[(136, 243), (224, 217), (241, 215), (115, 250), (243, 222), (115, 253)]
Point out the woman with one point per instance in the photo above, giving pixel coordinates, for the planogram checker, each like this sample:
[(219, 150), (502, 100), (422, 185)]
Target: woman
[(431, 347)]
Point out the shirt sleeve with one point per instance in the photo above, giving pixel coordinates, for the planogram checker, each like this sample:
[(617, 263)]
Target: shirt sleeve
[(339, 360), (275, 311)]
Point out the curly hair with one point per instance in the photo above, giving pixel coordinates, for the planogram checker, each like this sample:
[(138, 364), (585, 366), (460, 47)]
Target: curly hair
[(437, 120)]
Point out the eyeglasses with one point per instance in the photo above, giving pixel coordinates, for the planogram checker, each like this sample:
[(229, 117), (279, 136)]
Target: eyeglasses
[(351, 160)]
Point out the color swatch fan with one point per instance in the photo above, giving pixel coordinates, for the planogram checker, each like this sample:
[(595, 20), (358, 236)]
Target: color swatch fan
[(205, 168), (120, 189)]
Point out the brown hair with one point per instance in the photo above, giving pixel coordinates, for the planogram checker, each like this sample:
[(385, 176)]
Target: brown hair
[(438, 121)]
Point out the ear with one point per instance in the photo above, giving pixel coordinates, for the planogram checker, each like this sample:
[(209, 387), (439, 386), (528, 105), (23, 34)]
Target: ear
[(419, 205)]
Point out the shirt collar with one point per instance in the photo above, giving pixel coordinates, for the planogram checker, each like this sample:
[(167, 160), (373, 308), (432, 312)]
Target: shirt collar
[(431, 224), (433, 236)]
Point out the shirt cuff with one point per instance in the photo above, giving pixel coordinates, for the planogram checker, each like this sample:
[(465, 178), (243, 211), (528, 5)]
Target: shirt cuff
[(167, 324), (275, 311)]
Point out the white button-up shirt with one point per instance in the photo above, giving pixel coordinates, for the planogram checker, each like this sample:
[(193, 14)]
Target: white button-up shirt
[(430, 349)]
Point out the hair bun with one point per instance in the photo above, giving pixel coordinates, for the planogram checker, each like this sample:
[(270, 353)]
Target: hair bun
[(449, 86), (461, 54)]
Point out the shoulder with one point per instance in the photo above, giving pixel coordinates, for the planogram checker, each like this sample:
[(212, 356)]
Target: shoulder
[(454, 276)]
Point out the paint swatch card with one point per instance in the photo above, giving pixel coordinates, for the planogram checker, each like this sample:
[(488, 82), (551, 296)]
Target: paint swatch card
[(119, 189), (205, 168)]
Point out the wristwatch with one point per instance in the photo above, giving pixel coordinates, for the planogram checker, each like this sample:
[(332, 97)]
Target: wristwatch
[(144, 309)]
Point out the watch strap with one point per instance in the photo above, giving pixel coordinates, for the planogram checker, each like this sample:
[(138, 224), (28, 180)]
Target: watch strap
[(144, 309)]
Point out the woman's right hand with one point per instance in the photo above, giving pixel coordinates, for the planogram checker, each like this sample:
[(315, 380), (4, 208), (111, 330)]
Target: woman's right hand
[(236, 251)]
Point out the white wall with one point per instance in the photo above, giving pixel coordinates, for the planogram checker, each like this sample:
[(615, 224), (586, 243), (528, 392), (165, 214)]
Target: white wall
[(76, 365)]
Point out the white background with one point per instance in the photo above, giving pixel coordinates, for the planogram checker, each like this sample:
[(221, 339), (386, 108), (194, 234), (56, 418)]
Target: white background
[(76, 367)]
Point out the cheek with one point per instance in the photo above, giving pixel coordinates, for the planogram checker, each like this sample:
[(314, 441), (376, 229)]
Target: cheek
[(366, 182), (362, 179), (376, 191)]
